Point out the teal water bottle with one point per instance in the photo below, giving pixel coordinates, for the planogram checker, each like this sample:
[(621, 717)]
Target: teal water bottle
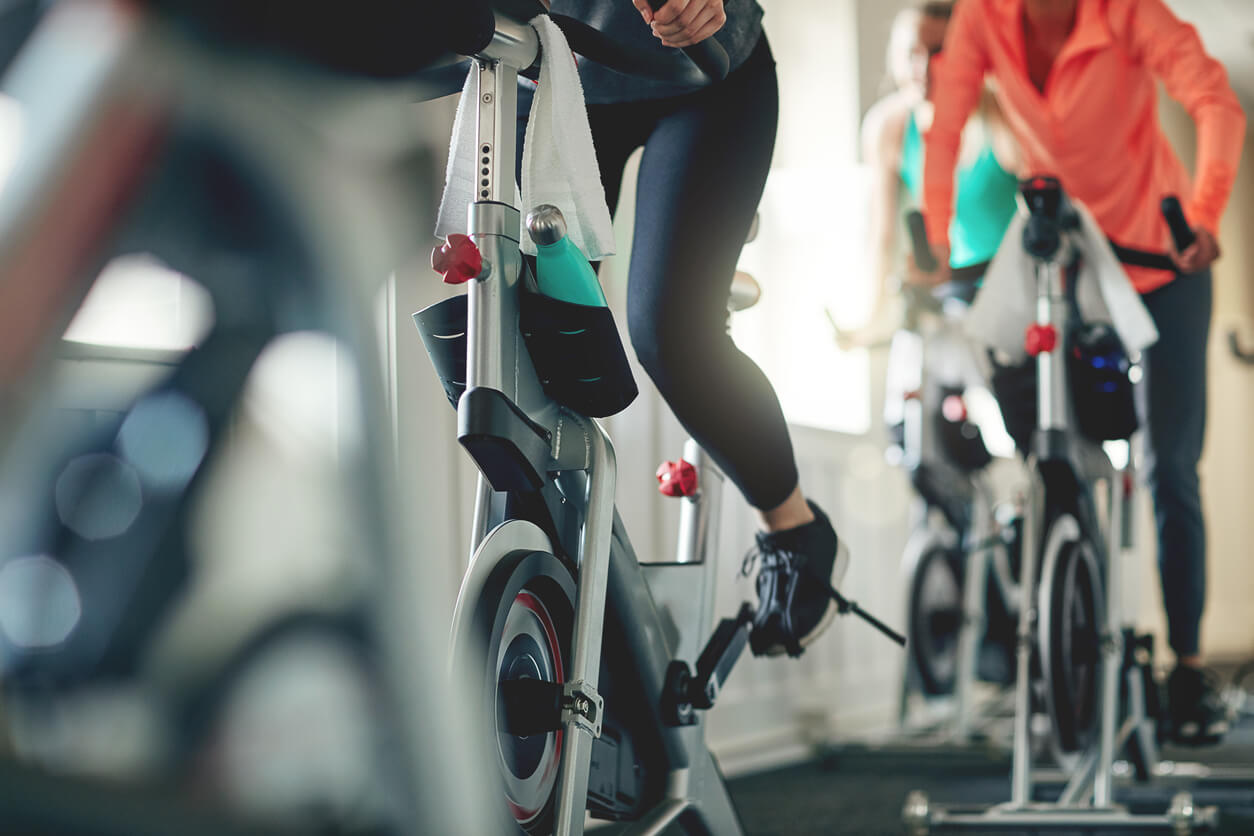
[(561, 269)]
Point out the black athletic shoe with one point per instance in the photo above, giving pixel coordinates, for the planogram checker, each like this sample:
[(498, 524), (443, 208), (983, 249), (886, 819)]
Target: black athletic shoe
[(1197, 711), (797, 566)]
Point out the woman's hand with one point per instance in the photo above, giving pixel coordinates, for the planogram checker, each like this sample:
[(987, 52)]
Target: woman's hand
[(682, 23), (878, 330), (1199, 255), (917, 276)]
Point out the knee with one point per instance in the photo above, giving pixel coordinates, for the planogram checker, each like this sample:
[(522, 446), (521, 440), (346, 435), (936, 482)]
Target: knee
[(644, 341), (1173, 481), (667, 345)]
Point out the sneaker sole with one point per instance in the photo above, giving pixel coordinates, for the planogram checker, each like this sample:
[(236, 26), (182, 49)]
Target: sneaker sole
[(839, 568)]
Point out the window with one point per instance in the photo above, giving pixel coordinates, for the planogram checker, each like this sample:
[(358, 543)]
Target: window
[(139, 303), (810, 255)]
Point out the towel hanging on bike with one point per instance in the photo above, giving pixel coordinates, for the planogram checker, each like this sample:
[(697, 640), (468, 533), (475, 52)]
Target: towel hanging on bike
[(559, 164), (1006, 304)]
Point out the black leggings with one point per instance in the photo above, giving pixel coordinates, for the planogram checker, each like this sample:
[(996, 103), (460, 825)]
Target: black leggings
[(706, 156)]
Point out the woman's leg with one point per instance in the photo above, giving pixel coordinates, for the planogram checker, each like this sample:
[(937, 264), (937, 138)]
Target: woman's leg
[(701, 179), (1175, 398), (1176, 412)]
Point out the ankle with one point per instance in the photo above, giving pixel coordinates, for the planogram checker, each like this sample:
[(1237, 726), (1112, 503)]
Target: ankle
[(793, 512)]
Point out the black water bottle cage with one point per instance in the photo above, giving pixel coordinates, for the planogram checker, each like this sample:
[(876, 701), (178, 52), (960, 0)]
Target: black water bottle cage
[(1098, 370)]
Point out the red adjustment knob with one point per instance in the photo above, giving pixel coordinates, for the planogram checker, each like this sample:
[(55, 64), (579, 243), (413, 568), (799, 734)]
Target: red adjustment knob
[(954, 409), (677, 478), (459, 260), (1040, 339)]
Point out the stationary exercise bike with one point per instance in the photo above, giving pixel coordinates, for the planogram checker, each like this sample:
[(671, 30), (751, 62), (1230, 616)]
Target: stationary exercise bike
[(961, 562), (588, 671), (1078, 666), (271, 158)]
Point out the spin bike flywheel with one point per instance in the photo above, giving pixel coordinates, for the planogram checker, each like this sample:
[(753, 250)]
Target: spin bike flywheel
[(935, 617), (1072, 612), (526, 616)]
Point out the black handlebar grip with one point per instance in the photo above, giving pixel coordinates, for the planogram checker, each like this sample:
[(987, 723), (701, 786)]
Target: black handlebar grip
[(710, 58), (708, 55), (1181, 232), (923, 255)]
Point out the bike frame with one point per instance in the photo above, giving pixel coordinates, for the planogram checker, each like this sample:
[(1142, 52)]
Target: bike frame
[(1056, 441), (1086, 801), (103, 83), (942, 332), (611, 583)]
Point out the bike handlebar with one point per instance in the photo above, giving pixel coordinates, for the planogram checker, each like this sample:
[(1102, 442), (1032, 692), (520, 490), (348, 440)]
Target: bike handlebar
[(1181, 233), (1044, 203), (595, 45), (923, 255), (708, 55)]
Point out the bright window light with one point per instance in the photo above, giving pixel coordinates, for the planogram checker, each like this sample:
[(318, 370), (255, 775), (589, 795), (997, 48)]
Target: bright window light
[(810, 256), (810, 259), (139, 303)]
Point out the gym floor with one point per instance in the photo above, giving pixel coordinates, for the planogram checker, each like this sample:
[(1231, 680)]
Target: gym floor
[(861, 791)]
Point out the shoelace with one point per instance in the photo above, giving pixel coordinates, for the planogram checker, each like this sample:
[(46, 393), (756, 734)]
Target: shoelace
[(789, 561), (782, 558)]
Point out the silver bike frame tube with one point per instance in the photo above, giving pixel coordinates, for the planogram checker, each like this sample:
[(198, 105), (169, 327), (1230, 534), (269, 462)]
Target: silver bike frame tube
[(496, 357), (971, 631), (483, 506), (594, 567), (1112, 646), (493, 224), (698, 538), (514, 43), (1051, 311), (1051, 414), (1021, 774)]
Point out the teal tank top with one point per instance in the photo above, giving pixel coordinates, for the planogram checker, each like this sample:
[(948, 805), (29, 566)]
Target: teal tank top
[(984, 205)]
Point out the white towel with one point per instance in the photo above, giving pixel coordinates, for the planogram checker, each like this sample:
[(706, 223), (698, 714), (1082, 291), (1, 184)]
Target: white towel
[(1006, 304), (459, 174), (559, 164)]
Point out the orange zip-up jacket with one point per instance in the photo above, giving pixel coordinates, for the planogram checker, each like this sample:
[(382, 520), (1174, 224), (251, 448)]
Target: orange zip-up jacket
[(1096, 125)]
